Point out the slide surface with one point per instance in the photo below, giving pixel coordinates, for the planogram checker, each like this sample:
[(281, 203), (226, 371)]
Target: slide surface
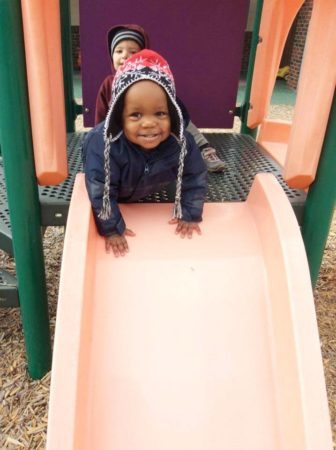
[(203, 344)]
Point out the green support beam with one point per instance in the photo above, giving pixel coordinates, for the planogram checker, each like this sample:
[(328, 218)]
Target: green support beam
[(22, 193), (254, 44), (320, 203)]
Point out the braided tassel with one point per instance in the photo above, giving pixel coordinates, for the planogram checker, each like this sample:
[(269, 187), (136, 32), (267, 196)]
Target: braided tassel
[(105, 212), (177, 213), (178, 208)]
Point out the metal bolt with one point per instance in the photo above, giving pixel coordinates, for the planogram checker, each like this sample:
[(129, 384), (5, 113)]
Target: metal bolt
[(230, 111), (86, 109)]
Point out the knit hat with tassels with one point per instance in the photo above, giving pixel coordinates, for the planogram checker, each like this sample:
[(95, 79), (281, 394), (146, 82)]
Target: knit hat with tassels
[(144, 65)]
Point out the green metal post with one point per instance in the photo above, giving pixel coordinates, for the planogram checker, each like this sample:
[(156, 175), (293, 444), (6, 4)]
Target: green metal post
[(254, 43), (16, 144), (320, 203), (70, 104)]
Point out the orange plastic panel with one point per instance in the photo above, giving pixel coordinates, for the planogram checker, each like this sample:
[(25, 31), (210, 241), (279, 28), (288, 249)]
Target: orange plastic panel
[(42, 37), (277, 18), (314, 96), (207, 343), (273, 136)]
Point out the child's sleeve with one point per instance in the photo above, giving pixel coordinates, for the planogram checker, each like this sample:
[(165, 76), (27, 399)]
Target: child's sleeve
[(103, 100), (95, 180), (194, 183)]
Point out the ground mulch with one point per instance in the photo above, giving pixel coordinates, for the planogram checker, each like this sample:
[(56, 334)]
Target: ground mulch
[(23, 402)]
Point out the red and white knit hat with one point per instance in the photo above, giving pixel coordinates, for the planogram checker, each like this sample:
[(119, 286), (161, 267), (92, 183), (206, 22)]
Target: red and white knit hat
[(144, 65)]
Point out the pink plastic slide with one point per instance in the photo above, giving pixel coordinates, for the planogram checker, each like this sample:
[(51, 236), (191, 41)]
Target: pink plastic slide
[(202, 344)]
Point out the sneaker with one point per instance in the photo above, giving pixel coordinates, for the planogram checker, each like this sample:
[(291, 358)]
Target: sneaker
[(213, 163)]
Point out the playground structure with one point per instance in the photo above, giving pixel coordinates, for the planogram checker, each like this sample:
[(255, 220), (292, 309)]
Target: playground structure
[(310, 429)]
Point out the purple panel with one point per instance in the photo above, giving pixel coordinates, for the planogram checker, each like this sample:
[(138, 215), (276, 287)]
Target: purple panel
[(201, 40)]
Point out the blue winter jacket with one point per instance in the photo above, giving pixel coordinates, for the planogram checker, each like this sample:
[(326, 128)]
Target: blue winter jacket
[(136, 173)]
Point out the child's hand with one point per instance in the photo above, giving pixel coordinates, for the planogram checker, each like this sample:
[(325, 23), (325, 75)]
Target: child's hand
[(185, 228), (118, 243)]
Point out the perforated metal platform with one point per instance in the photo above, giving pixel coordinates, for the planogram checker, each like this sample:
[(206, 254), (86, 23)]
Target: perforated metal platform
[(55, 199), (243, 156)]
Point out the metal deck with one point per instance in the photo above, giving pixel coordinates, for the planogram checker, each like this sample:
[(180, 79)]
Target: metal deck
[(243, 156), (9, 296)]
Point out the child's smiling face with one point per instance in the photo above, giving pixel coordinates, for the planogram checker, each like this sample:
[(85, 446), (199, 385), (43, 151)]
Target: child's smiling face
[(146, 120), (124, 50)]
